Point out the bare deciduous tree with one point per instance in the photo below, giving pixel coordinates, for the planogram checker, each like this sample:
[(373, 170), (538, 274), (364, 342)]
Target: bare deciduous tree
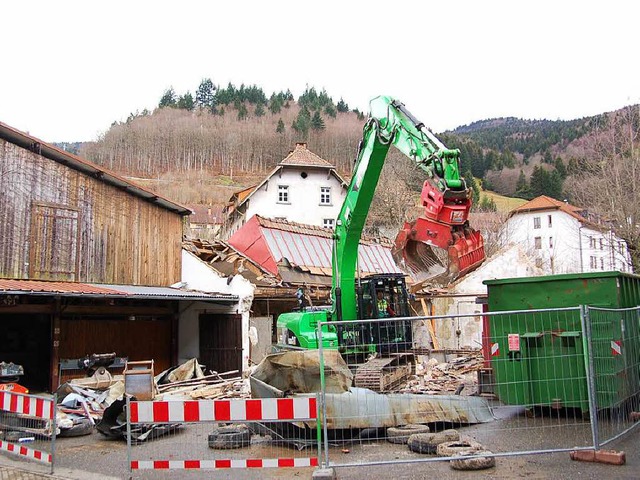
[(609, 180)]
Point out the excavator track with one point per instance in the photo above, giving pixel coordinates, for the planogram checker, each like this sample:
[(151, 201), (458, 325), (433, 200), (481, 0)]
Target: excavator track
[(385, 373)]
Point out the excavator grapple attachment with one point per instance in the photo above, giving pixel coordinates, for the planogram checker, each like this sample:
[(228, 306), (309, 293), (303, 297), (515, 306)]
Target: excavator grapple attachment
[(429, 250)]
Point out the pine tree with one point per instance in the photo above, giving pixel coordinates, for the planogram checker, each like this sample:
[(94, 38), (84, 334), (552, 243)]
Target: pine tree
[(560, 168), (522, 187), (317, 123), (342, 106), (185, 102), (259, 111), (280, 127), (487, 204), (205, 95), (168, 98)]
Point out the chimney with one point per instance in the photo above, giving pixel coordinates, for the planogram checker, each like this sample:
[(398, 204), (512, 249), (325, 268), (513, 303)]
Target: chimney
[(301, 145)]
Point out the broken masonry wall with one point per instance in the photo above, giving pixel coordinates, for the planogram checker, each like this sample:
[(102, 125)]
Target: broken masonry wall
[(466, 332), (199, 276)]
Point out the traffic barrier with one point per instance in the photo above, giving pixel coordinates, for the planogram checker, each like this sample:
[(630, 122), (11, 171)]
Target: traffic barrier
[(28, 426), (255, 433)]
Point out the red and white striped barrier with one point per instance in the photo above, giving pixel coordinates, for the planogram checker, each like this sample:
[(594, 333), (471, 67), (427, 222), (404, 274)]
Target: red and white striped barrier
[(221, 464), (31, 406), (26, 405), (25, 451), (238, 410), (225, 411)]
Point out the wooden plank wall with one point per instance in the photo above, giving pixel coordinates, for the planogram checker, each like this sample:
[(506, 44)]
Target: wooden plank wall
[(122, 238), (142, 339)]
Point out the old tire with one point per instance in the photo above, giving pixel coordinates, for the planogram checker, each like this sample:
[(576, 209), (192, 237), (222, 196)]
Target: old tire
[(459, 462), (428, 442), (448, 449), (230, 437), (401, 434)]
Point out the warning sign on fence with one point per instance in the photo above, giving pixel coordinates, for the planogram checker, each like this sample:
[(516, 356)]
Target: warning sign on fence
[(514, 342), (495, 350)]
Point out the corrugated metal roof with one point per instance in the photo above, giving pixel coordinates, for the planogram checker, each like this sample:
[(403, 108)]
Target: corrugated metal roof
[(72, 289), (306, 246)]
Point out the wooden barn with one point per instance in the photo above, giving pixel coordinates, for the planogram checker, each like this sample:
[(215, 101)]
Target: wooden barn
[(86, 261)]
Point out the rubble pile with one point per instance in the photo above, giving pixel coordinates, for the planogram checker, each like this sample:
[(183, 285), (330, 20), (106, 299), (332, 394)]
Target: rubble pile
[(458, 376), (190, 381)]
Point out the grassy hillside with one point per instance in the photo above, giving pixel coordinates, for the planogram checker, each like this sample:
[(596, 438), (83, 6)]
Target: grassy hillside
[(504, 204)]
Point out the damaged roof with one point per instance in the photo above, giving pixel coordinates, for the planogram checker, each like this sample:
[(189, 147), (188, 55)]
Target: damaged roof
[(283, 248), (74, 289)]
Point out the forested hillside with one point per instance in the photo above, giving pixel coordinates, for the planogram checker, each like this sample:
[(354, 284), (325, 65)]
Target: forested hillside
[(199, 148)]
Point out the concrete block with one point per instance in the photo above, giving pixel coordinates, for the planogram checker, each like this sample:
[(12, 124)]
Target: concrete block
[(610, 457), (324, 474)]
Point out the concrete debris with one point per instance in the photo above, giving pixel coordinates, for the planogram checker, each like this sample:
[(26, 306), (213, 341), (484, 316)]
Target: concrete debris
[(457, 375)]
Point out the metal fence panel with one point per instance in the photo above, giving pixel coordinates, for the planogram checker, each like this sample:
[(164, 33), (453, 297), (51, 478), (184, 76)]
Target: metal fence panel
[(615, 341), (192, 436), (532, 396), (28, 426)]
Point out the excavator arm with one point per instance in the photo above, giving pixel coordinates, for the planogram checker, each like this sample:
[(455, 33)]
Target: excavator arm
[(439, 243)]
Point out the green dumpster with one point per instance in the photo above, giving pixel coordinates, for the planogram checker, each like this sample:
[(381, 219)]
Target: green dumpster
[(538, 357)]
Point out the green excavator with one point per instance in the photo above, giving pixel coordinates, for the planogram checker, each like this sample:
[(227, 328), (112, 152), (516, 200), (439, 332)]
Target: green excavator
[(439, 245)]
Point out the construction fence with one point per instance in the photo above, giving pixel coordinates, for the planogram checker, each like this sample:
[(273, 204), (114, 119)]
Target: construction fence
[(28, 427), (551, 380), (183, 437)]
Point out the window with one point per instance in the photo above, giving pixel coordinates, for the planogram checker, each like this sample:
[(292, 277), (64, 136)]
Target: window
[(283, 194), (593, 262), (550, 221), (592, 242), (550, 242), (601, 244), (539, 262), (602, 264), (325, 195), (536, 222), (328, 222), (538, 242)]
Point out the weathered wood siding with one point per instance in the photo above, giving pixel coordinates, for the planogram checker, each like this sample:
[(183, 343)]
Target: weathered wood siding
[(59, 224)]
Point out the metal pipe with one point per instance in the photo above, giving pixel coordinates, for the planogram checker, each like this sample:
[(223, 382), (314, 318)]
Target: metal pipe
[(590, 373)]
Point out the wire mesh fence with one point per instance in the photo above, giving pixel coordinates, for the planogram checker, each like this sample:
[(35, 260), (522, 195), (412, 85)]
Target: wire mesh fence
[(527, 392), (28, 426), (188, 437), (614, 362)]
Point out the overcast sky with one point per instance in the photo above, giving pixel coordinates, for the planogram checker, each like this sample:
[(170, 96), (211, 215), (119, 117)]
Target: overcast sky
[(71, 68)]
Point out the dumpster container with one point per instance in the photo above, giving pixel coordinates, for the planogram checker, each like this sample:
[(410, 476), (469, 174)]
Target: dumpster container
[(538, 357)]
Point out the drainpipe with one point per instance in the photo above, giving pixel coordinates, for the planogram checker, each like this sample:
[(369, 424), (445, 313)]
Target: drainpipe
[(580, 243)]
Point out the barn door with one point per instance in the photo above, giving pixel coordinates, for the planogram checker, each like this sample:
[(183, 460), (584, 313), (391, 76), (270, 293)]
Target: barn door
[(221, 342), (53, 250)]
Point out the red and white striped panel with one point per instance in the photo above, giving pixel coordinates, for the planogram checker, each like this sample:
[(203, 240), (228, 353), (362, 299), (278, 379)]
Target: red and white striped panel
[(26, 405), (218, 464), (236, 410), (25, 452)]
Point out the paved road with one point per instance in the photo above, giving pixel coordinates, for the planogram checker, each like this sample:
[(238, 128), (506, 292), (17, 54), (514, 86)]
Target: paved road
[(93, 457)]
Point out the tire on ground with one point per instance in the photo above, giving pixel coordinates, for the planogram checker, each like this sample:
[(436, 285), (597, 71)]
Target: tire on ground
[(428, 442), (448, 449), (230, 437), (401, 434), (459, 462)]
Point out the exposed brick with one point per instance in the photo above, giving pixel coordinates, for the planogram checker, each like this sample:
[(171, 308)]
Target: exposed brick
[(610, 457)]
